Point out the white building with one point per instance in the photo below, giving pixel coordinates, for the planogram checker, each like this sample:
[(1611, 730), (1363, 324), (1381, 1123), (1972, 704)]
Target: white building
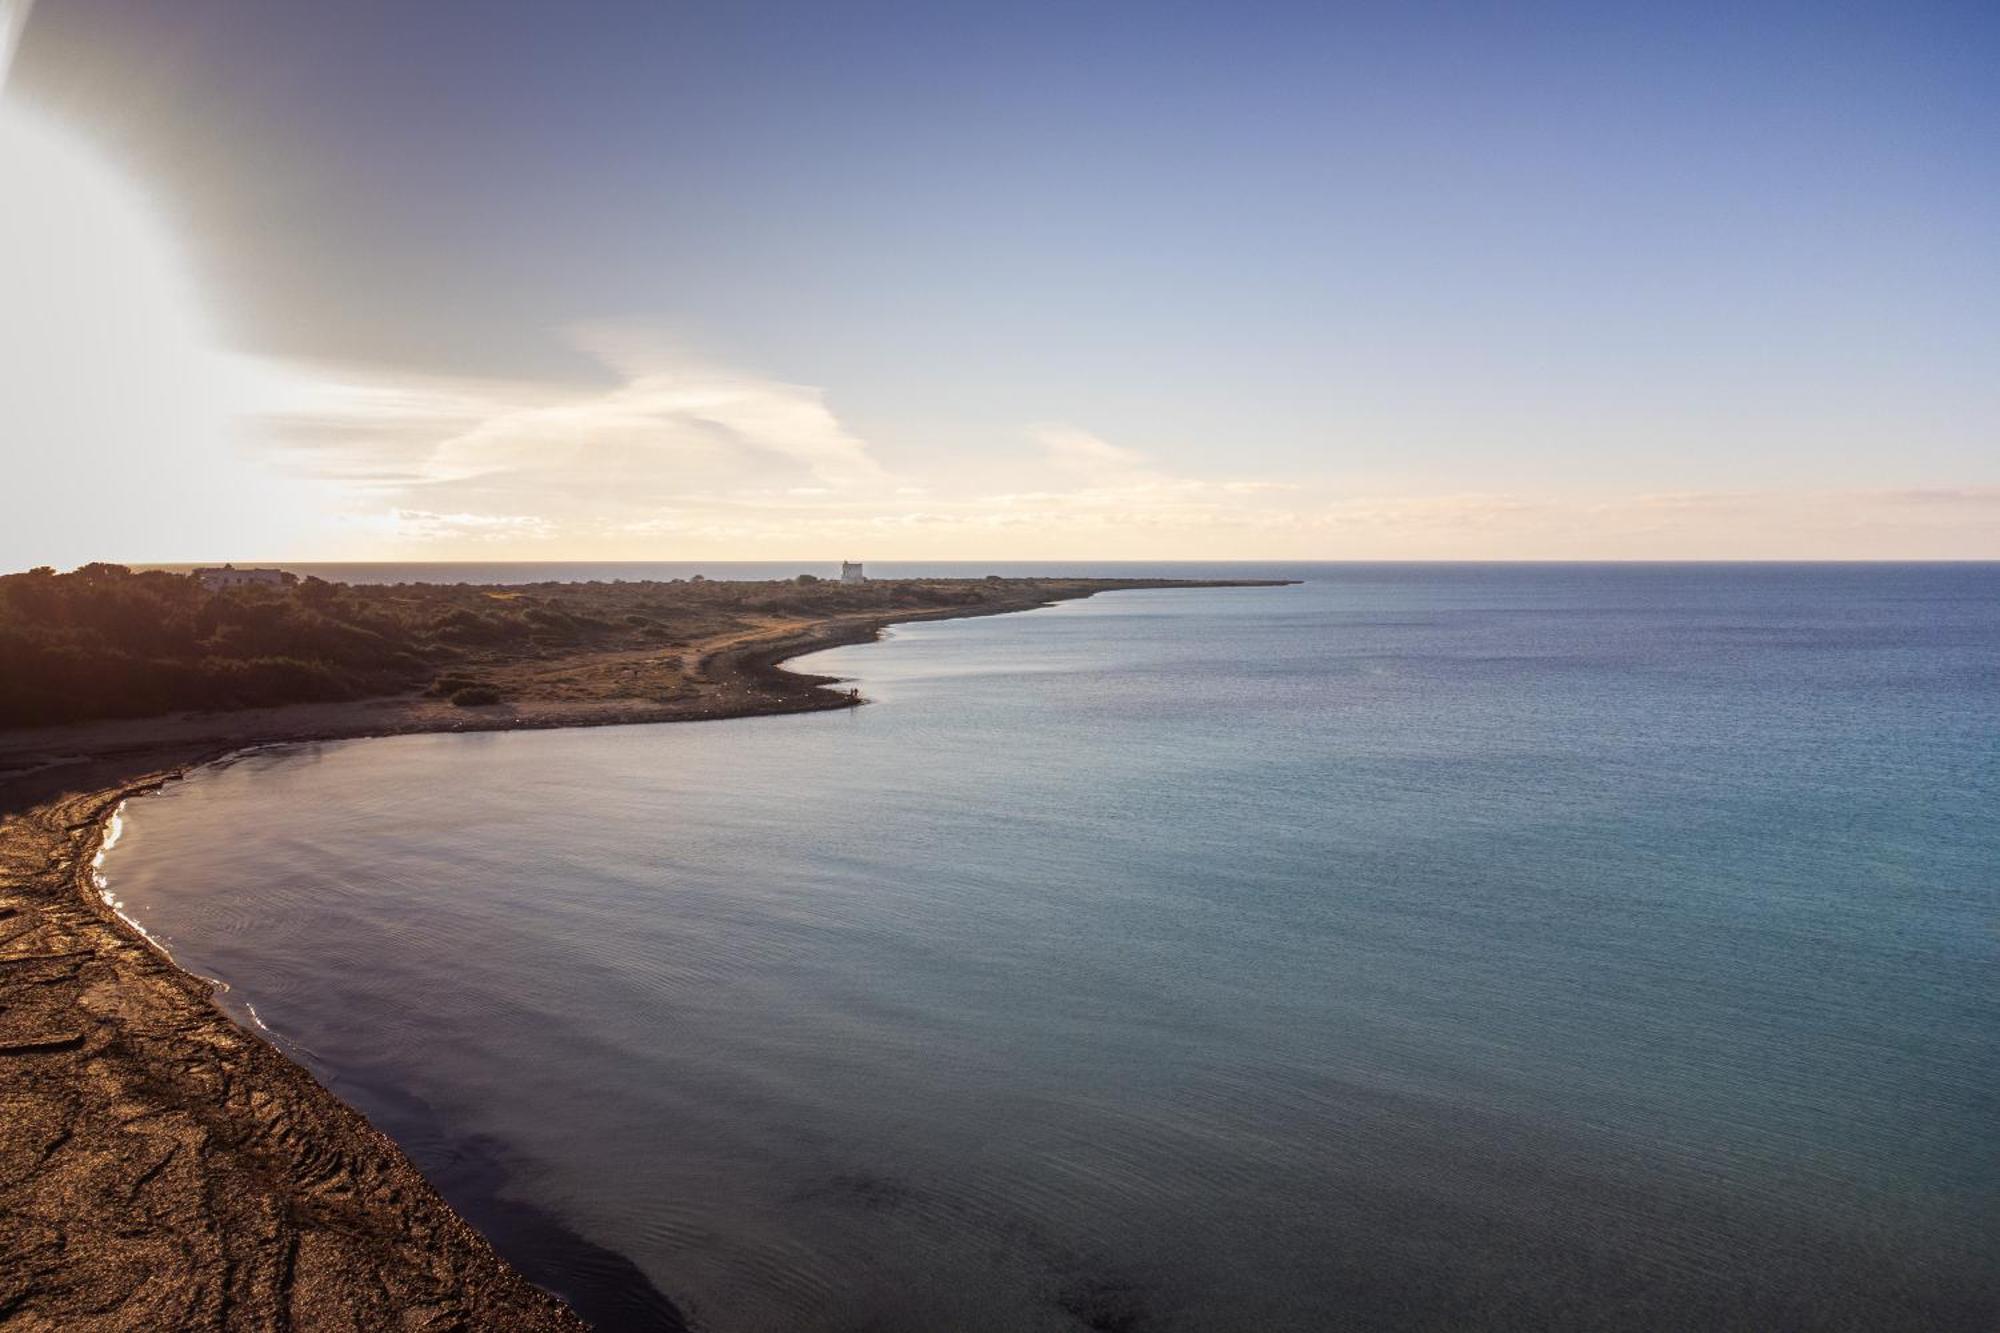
[(850, 572), (229, 576)]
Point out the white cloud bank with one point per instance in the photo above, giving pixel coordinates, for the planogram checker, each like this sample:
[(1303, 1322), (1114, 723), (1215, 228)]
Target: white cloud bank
[(676, 457)]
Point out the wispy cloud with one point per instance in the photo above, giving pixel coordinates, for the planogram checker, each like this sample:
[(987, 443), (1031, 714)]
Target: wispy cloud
[(420, 525), (672, 454), (1077, 451), (674, 448), (666, 428)]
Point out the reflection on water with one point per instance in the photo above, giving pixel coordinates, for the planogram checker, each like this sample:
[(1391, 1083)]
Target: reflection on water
[(1417, 948)]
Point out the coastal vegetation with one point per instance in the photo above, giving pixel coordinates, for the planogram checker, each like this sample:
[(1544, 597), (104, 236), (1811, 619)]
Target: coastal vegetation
[(106, 641)]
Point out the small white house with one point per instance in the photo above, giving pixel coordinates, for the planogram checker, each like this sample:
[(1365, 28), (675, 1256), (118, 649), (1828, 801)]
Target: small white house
[(229, 576), (850, 572)]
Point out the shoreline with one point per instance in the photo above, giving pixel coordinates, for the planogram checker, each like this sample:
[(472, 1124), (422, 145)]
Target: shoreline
[(170, 1167)]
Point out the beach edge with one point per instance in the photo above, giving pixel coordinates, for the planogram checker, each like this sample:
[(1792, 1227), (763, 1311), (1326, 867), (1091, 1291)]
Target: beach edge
[(119, 1015)]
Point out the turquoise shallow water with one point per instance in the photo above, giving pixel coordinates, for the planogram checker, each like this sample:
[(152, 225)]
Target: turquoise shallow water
[(1419, 947)]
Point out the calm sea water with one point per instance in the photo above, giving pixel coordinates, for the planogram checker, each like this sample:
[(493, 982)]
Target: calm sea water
[(1421, 947)]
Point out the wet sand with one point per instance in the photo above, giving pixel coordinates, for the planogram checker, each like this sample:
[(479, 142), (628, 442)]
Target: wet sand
[(164, 1168)]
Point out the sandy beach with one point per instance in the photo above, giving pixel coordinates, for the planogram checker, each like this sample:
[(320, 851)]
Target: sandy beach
[(164, 1168)]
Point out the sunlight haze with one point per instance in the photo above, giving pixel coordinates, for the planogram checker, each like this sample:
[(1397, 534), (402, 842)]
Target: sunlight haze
[(788, 282)]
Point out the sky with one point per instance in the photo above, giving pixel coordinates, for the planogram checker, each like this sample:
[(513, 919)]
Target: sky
[(478, 279)]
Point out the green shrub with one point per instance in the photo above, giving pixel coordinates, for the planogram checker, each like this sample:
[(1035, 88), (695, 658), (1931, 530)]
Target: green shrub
[(475, 696)]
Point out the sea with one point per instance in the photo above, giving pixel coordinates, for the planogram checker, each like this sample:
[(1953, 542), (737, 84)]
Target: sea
[(1416, 947)]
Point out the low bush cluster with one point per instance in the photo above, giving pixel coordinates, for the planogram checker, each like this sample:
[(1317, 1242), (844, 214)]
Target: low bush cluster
[(106, 641)]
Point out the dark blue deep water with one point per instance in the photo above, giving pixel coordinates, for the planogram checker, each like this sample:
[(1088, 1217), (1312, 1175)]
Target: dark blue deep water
[(1443, 947)]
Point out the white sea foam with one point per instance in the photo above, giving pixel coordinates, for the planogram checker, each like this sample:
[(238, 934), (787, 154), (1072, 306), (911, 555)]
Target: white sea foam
[(114, 829)]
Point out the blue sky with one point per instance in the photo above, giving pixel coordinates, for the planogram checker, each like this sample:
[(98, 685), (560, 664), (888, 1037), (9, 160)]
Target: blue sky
[(1451, 280)]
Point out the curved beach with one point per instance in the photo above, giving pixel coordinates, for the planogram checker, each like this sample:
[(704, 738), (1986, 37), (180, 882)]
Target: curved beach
[(166, 1168)]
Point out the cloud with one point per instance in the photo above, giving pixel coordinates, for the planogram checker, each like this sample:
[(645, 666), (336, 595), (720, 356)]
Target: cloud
[(1852, 523), (1088, 477), (672, 455), (667, 425), (1981, 497), (423, 526), (1079, 452), (676, 449), (1407, 513)]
